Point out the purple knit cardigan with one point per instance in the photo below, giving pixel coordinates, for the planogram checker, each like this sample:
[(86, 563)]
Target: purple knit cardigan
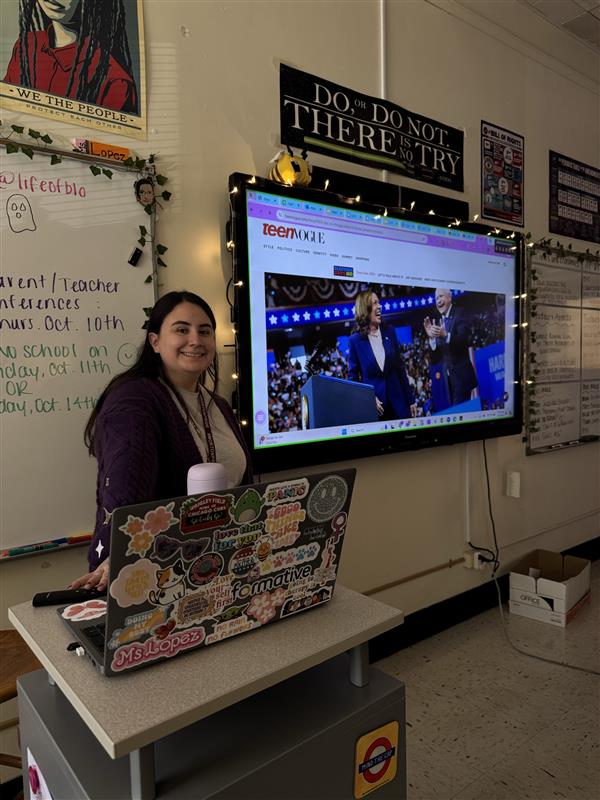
[(144, 450)]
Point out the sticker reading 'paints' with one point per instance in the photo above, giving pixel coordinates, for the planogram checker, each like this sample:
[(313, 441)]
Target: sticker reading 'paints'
[(285, 491), (376, 759)]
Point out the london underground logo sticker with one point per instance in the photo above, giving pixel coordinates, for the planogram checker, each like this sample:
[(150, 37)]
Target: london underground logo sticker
[(376, 759)]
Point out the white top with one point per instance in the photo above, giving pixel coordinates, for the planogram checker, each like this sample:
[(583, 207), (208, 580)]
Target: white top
[(377, 347), (228, 449)]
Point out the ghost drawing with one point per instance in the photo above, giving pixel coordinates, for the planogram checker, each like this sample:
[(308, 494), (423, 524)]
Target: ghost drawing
[(20, 216)]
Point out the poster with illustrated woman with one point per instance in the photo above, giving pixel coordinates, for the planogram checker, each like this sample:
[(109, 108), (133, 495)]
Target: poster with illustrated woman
[(75, 60)]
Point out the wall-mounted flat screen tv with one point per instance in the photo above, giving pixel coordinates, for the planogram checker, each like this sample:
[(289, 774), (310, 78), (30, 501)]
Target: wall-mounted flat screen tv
[(363, 331)]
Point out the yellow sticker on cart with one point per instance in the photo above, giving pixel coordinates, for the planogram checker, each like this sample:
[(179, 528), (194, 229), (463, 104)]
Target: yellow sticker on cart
[(376, 759)]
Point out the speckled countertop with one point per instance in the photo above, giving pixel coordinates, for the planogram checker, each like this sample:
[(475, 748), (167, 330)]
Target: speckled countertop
[(130, 711)]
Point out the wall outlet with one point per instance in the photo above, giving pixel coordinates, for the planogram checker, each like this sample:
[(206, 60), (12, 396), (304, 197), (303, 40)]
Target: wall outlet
[(513, 484), (468, 556)]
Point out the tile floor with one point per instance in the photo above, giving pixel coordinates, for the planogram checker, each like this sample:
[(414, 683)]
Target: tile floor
[(487, 723)]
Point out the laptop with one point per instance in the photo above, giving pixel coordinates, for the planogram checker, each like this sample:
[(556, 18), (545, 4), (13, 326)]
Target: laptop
[(192, 571)]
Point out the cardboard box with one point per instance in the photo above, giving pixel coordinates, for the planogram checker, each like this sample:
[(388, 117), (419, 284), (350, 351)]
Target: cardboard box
[(549, 587)]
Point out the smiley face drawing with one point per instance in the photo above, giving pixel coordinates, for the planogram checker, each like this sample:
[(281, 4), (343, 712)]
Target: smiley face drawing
[(20, 216), (327, 498), (126, 354)]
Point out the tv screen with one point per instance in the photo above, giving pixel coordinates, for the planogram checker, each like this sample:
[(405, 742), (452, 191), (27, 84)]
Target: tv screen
[(362, 331)]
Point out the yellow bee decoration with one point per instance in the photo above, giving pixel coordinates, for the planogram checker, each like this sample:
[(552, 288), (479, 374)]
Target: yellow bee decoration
[(290, 169)]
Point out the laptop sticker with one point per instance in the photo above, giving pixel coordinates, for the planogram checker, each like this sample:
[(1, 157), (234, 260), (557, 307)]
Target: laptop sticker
[(170, 585), (263, 607), (232, 538), (248, 507), (295, 605), (138, 625), (165, 547), (327, 498), (134, 583), (80, 612), (132, 655), (282, 523), (194, 607), (143, 531), (207, 511), (285, 491), (231, 627), (205, 569)]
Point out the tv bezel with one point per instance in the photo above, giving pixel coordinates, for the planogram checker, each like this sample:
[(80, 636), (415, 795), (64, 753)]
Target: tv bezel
[(278, 457)]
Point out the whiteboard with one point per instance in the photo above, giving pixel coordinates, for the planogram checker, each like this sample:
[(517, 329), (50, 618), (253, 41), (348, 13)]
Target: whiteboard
[(71, 316)]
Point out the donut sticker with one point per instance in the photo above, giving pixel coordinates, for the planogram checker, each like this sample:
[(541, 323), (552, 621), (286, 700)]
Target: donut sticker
[(205, 569), (327, 498), (207, 511), (81, 612)]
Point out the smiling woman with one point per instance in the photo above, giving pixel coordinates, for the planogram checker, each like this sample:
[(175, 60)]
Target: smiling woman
[(158, 418)]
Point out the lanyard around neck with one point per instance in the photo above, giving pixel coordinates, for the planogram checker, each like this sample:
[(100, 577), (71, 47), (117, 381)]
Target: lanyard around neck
[(211, 451)]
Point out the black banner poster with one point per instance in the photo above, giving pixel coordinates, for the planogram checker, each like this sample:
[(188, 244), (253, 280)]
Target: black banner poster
[(574, 195), (502, 171), (324, 117)]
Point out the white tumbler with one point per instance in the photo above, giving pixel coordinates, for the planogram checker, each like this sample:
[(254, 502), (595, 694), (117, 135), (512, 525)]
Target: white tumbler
[(206, 477)]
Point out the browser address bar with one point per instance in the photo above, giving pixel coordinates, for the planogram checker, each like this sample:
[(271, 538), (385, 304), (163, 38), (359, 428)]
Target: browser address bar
[(337, 224)]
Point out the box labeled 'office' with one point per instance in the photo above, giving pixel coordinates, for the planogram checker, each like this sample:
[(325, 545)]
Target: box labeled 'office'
[(549, 587)]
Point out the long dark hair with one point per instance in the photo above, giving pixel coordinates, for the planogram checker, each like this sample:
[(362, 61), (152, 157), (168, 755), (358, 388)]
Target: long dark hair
[(149, 364), (100, 29)]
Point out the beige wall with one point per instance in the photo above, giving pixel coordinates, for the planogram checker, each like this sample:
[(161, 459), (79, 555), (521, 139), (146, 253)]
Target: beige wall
[(214, 109)]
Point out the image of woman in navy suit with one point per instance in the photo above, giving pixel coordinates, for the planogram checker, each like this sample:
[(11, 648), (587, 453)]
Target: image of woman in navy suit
[(374, 357)]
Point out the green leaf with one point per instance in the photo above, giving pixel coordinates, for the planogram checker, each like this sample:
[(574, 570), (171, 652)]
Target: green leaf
[(147, 310), (140, 163), (12, 148), (33, 134), (160, 249), (151, 158), (28, 151), (148, 279), (129, 162), (55, 159), (108, 173), (166, 195), (142, 241), (161, 180), (145, 325), (46, 139), (143, 230), (95, 170), (17, 128), (148, 209), (160, 262)]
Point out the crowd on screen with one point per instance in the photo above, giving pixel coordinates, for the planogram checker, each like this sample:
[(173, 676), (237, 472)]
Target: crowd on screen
[(286, 376)]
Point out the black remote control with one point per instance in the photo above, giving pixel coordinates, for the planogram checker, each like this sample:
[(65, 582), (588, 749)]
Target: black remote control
[(66, 596)]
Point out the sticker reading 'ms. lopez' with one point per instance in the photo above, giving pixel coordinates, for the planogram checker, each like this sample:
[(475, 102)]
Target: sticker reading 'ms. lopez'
[(198, 513)]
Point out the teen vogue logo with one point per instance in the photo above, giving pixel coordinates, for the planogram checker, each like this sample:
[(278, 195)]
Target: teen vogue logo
[(291, 232)]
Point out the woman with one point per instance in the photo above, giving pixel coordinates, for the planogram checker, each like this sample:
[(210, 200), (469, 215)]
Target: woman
[(76, 49), (374, 357), (144, 191), (157, 419)]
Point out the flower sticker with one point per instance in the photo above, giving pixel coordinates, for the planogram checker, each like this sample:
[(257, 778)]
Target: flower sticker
[(263, 607), (90, 609), (134, 582), (160, 519), (140, 544)]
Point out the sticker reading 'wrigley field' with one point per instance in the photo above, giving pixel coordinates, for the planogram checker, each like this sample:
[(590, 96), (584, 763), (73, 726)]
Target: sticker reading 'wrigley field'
[(376, 759)]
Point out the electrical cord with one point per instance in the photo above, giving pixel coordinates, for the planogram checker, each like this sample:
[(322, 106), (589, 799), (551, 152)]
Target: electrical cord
[(493, 556), (533, 655)]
